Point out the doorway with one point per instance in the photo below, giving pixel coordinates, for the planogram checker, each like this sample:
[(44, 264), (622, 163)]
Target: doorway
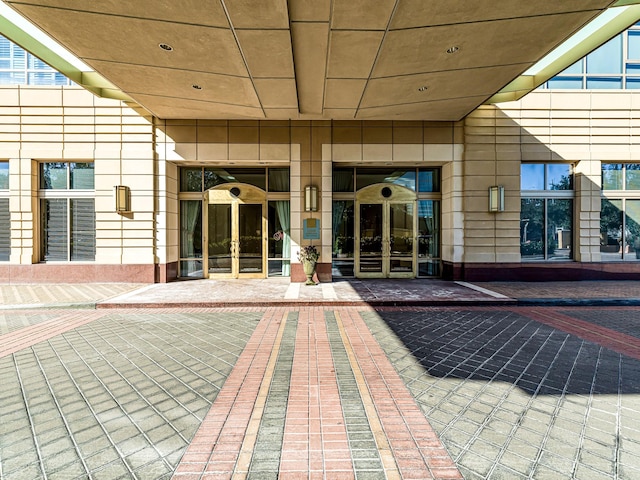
[(236, 226), (386, 225)]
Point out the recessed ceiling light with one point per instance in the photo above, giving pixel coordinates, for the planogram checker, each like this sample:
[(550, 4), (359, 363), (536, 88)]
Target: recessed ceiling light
[(423, 88), (453, 49), (196, 87), (166, 46)]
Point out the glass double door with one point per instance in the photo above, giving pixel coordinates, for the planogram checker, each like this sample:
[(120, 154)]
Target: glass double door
[(236, 238), (386, 239)]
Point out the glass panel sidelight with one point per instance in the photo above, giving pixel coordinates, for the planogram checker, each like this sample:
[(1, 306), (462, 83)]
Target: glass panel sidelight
[(220, 246), (250, 238), (401, 237), (371, 237), (611, 238), (632, 230)]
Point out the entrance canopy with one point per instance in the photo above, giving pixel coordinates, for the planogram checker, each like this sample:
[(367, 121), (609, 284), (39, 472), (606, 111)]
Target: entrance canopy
[(326, 59)]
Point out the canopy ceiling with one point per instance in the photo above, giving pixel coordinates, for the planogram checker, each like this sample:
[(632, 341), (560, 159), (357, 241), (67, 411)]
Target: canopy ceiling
[(310, 59)]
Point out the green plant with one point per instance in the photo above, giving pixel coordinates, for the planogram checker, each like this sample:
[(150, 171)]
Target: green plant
[(308, 253)]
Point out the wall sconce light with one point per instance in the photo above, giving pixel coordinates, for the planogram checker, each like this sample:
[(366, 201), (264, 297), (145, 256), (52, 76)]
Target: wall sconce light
[(310, 198), (496, 198), (123, 199)]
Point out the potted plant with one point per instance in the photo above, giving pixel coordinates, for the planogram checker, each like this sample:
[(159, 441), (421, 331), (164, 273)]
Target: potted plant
[(308, 256)]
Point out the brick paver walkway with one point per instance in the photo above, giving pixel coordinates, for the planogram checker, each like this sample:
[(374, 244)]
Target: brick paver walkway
[(324, 391)]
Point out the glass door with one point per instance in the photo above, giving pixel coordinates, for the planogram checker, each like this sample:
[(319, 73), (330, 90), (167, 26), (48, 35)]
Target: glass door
[(236, 226), (386, 232), (250, 251)]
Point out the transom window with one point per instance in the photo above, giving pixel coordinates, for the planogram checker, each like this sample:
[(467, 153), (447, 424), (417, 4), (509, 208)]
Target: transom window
[(200, 179), (425, 180)]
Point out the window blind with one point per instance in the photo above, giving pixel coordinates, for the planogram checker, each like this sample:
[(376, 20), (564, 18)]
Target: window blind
[(55, 229), (83, 226), (5, 230)]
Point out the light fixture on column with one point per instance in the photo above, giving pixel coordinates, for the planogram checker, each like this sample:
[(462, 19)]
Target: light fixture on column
[(310, 198), (496, 198), (123, 199)]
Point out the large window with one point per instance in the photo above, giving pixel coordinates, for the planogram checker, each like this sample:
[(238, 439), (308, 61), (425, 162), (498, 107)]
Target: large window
[(5, 217), (620, 212), (67, 211), (546, 212), (614, 65)]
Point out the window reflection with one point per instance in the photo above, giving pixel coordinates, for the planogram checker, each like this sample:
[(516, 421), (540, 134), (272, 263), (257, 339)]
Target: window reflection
[(607, 58), (532, 176)]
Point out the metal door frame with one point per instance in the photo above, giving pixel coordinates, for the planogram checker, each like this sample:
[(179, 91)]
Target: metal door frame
[(385, 194), (235, 194)]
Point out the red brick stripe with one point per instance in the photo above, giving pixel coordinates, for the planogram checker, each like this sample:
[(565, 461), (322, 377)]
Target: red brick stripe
[(33, 334), (417, 449), (619, 342), (214, 450)]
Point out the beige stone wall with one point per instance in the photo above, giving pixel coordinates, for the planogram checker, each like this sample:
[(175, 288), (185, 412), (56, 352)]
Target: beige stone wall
[(40, 124), (69, 124), (582, 128), (310, 149)]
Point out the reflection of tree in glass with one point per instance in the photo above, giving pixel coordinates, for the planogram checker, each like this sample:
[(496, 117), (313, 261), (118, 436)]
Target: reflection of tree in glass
[(531, 226), (610, 222), (565, 183)]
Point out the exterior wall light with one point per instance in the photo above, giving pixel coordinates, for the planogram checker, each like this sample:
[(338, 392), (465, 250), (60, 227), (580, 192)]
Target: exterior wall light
[(310, 198), (496, 198), (123, 199)]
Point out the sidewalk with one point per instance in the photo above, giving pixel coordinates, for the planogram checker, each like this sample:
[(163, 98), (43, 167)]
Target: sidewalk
[(348, 292)]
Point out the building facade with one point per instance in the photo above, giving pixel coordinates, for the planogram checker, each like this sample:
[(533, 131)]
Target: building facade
[(546, 187)]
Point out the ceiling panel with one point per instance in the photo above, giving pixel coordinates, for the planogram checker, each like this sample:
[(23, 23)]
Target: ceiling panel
[(310, 59), (436, 86), (199, 12), (439, 110), (277, 92), (267, 52), (101, 37), (352, 53), (422, 13), (362, 14), (262, 14), (480, 44), (343, 93), (164, 107), (136, 80)]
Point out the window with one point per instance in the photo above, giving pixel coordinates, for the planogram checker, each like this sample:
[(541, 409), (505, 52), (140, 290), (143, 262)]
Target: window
[(67, 211), (19, 67), (5, 216), (546, 212), (620, 212), (613, 65), (199, 179)]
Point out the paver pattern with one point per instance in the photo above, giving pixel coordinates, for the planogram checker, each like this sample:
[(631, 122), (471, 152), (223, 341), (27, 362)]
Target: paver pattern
[(321, 387), (119, 397), (513, 398)]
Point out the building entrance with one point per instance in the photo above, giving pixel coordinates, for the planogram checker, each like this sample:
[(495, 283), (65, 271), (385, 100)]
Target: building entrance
[(386, 226), (236, 226)]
